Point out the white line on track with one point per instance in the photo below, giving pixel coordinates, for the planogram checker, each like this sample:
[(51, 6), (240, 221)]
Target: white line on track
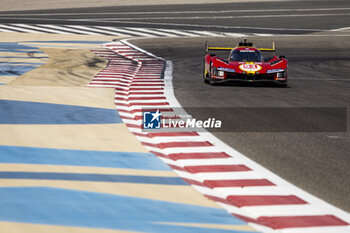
[(204, 33), (40, 28), (150, 30), (64, 28), (132, 31), (93, 29), (340, 29), (117, 31), (19, 29), (182, 33), (4, 30)]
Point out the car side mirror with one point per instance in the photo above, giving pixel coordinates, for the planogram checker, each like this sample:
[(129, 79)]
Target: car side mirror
[(282, 56), (212, 54)]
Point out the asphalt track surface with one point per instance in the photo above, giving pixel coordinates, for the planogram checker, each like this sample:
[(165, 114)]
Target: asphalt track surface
[(292, 17), (319, 68)]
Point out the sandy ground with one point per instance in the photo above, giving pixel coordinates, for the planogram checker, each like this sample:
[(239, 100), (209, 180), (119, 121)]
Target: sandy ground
[(62, 70), (17, 5)]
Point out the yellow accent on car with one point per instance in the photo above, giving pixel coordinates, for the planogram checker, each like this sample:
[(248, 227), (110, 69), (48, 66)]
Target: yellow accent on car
[(220, 48), (267, 49)]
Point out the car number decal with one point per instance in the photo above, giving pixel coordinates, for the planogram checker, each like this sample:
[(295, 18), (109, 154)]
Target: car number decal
[(250, 67)]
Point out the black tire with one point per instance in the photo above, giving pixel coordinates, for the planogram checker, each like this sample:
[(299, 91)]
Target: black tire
[(212, 81), (284, 85)]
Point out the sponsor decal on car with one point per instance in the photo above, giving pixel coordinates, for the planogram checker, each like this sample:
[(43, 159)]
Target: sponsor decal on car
[(274, 71), (247, 51), (250, 67), (226, 69)]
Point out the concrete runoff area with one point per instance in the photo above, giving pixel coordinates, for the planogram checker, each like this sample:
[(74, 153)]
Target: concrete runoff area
[(315, 162)]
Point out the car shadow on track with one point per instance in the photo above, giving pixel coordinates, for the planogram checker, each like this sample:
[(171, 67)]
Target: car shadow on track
[(248, 84)]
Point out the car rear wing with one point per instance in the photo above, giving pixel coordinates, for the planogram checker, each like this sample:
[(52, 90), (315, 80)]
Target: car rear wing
[(208, 48), (273, 49)]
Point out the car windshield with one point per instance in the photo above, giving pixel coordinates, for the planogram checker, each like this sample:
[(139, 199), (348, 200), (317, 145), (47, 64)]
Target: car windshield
[(246, 55)]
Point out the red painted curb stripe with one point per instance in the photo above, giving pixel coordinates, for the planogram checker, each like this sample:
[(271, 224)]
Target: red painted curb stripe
[(150, 81), (178, 156), (257, 200), (193, 182), (247, 219), (174, 167), (301, 221), (134, 126), (147, 85), (98, 82), (143, 104), (237, 183), (159, 154), (142, 110), (217, 199), (217, 168), (141, 93), (173, 134), (146, 89), (213, 155), (178, 144), (140, 118), (140, 98)]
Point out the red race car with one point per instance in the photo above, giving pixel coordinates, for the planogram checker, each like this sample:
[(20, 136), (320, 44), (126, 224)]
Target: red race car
[(245, 63)]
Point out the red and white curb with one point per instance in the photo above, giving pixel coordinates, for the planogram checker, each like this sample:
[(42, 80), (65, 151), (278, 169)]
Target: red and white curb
[(241, 186)]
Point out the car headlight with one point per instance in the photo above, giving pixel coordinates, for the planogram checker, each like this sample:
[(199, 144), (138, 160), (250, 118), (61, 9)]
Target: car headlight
[(221, 73), (282, 74)]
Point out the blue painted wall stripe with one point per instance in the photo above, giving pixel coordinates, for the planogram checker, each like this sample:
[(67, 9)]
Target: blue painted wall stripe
[(22, 57), (69, 42), (19, 51), (95, 210), (113, 159), (15, 45), (93, 177), (23, 112), (25, 63), (15, 70)]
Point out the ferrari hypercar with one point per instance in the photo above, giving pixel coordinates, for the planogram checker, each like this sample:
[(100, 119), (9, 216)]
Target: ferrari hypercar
[(245, 63)]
